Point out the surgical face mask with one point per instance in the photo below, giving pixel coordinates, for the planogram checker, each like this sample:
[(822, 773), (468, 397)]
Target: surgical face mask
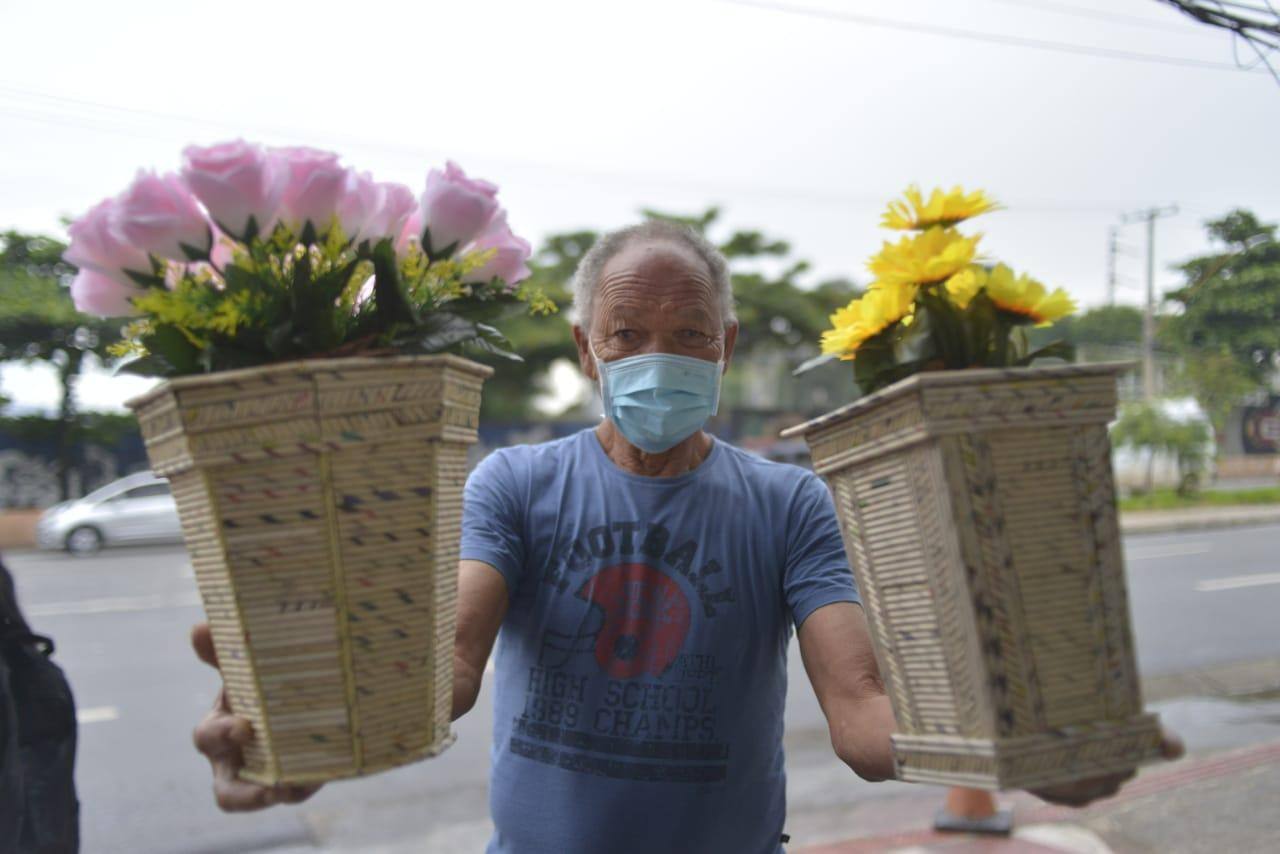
[(658, 400)]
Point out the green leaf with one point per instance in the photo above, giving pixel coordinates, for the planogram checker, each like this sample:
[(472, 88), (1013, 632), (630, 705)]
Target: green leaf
[(170, 345), (442, 331), (816, 362), (147, 366), (983, 329), (487, 346), (240, 279), (948, 328), (434, 254), (279, 339), (1056, 350), (390, 304), (146, 280), (195, 253)]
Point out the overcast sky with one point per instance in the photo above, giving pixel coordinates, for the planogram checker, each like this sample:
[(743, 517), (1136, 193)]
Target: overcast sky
[(800, 123)]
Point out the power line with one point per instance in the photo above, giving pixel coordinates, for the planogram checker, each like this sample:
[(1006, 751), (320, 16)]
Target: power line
[(58, 114), (1097, 14), (990, 38)]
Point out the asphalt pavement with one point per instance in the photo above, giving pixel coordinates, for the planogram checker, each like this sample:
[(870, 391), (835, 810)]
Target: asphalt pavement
[(1201, 599)]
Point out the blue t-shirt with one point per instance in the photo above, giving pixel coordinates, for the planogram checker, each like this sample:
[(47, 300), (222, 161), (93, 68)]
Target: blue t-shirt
[(641, 669)]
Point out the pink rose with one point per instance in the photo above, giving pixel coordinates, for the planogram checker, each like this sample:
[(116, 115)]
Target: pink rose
[(237, 182), (314, 186), (159, 215), (96, 245), (360, 202), (96, 293), (510, 254), (396, 205), (455, 208), (409, 234)]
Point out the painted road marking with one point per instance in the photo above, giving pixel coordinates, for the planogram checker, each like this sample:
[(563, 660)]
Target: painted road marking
[(97, 714), (1168, 551), (1235, 582), (114, 604)]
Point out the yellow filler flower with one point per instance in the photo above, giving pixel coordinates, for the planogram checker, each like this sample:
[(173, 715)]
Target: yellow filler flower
[(945, 209), (964, 286), (932, 256), (872, 313), (1025, 296)]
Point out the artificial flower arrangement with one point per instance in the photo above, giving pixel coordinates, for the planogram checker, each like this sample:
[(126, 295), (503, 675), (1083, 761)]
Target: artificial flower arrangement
[(250, 256), (975, 490), (313, 421), (935, 304)]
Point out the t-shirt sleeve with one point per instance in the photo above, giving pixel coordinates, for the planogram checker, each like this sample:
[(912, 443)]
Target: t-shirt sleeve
[(493, 518), (817, 569)]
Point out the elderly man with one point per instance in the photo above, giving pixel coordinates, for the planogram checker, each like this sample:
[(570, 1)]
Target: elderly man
[(642, 579)]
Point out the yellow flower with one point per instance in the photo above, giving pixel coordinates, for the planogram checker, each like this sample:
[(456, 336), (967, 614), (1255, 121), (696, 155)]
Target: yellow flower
[(1025, 296), (875, 311), (964, 286), (945, 209), (931, 256)]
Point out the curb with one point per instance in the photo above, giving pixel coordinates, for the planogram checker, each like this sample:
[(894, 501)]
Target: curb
[(1230, 681), (1176, 521), (1037, 818)]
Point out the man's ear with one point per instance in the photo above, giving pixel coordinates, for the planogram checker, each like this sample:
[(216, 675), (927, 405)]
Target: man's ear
[(585, 360), (730, 339)]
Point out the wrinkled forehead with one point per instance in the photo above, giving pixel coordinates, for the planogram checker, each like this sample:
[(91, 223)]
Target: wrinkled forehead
[(657, 276)]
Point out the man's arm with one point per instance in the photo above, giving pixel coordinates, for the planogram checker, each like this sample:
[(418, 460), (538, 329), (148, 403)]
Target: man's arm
[(482, 605), (835, 644)]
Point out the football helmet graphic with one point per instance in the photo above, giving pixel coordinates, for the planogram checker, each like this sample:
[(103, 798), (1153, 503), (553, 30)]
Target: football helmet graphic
[(637, 625)]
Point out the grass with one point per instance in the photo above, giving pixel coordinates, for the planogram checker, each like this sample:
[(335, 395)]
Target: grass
[(1168, 499)]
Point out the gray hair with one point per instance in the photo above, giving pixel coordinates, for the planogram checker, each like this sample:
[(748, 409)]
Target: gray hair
[(587, 277)]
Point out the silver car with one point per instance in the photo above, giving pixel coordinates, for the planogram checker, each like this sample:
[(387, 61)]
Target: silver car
[(132, 510)]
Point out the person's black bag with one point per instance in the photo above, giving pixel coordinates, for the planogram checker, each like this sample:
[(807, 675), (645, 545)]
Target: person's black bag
[(39, 813)]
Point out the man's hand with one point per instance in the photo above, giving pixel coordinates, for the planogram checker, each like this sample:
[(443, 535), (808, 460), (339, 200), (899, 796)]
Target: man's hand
[(220, 737), (1084, 792)]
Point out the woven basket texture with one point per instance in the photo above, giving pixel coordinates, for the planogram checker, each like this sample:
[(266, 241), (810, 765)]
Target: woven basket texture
[(321, 503), (978, 511)]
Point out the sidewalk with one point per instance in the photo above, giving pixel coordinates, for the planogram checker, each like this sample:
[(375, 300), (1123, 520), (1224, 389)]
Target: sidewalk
[(1220, 803), (1198, 518)]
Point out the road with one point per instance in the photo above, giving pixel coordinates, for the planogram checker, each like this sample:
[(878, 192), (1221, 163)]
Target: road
[(120, 621)]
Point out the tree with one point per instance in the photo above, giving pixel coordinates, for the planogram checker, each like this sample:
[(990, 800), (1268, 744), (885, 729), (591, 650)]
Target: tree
[(1146, 427), (540, 341), (1108, 325), (775, 313), (1228, 331), (39, 322)]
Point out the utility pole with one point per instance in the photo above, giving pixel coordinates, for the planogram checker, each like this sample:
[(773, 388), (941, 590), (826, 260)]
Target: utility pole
[(1150, 215), (1111, 265)]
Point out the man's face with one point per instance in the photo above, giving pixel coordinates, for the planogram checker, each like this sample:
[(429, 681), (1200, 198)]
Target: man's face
[(655, 297)]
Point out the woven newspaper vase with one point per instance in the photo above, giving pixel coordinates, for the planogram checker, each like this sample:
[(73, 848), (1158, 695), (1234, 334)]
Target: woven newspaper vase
[(978, 513), (321, 503)]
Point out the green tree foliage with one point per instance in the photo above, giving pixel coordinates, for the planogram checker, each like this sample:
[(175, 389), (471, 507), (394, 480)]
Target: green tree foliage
[(1104, 326), (1147, 428), (540, 341), (38, 322), (1108, 325), (775, 313), (1228, 331)]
